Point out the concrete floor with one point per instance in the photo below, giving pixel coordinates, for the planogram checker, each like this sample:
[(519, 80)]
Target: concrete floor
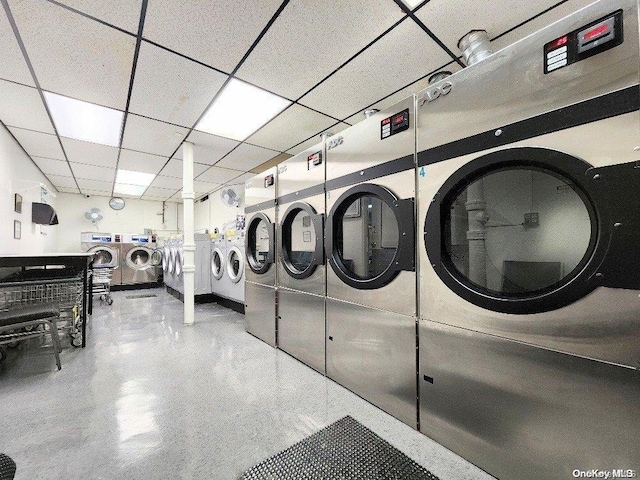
[(152, 399)]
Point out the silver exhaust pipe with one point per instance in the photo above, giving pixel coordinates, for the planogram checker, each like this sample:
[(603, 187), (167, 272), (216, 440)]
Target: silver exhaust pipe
[(475, 46), (370, 112), (436, 77)]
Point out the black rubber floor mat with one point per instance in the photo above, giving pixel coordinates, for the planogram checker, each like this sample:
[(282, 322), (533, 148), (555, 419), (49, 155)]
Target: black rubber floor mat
[(144, 295), (344, 450)]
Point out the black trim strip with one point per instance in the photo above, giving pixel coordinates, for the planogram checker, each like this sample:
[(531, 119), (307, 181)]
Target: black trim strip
[(301, 194), (599, 108), (260, 206), (384, 169)]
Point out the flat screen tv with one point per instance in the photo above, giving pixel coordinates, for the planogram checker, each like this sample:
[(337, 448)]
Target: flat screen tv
[(43, 214)]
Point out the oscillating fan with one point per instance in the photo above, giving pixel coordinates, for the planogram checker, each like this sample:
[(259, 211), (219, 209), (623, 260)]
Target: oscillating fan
[(94, 215), (230, 197)]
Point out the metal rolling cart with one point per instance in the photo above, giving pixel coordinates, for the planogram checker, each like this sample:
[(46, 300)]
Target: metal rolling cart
[(101, 283)]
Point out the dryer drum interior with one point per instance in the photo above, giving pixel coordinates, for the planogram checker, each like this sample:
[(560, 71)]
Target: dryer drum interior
[(370, 235), (235, 264), (260, 247), (523, 230), (139, 258), (217, 264), (302, 240)]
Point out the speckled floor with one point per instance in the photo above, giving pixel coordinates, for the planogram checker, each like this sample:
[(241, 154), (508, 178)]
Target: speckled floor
[(152, 399)]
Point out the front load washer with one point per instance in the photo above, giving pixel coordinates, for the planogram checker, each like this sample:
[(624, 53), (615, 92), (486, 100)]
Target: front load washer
[(219, 278), (106, 251), (529, 330), (260, 246), (370, 248), (140, 259), (301, 265), (169, 277), (178, 263), (235, 265)]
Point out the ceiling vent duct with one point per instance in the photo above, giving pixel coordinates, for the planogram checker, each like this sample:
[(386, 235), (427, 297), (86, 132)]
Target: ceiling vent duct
[(436, 77), (325, 135), (370, 112), (475, 46)]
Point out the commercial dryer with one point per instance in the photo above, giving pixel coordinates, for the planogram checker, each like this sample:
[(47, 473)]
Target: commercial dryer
[(140, 259), (529, 330), (260, 246), (219, 278), (301, 265), (370, 247), (235, 265), (106, 250)]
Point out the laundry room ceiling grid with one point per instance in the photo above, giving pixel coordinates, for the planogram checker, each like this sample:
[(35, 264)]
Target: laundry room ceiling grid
[(164, 62)]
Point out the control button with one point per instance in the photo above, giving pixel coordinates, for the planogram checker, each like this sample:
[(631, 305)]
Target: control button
[(556, 65), (557, 52)]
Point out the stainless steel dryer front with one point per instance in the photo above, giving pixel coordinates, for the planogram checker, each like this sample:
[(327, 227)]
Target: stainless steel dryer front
[(106, 250), (301, 270), (370, 247), (260, 251), (528, 176)]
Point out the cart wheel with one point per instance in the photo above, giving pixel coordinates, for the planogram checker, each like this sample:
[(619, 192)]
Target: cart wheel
[(109, 301), (76, 340), (103, 298)]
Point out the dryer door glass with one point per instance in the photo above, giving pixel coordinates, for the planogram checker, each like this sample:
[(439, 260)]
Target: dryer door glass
[(156, 258), (102, 257), (367, 237), (139, 258), (517, 231), (261, 245), (235, 265), (301, 242), (216, 264)]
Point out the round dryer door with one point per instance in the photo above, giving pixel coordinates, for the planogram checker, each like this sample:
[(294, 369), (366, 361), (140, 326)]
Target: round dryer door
[(166, 252), (235, 264), (179, 262), (260, 243), (139, 258), (172, 261), (217, 264), (157, 258), (301, 240), (370, 236), (517, 231), (104, 256)]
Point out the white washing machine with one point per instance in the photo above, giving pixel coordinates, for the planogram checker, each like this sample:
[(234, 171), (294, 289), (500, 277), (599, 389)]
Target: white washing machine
[(202, 261), (235, 266), (220, 281)]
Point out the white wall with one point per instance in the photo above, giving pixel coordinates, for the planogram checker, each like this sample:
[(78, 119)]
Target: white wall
[(133, 218), (19, 175), (212, 213)]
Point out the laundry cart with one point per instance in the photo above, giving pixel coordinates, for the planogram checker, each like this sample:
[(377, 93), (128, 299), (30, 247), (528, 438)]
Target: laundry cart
[(101, 277)]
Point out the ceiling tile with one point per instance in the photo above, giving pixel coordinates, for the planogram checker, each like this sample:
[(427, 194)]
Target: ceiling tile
[(22, 106), (151, 136), (151, 198), (241, 179), (207, 148), (12, 64), (174, 168), (75, 56), (140, 162), (90, 153), (171, 88), (201, 187), (159, 192), (93, 172), (334, 129), (166, 182), (542, 21), (97, 193), (95, 185), (67, 190), (53, 167), (246, 157), (38, 144), (60, 181), (402, 56), (292, 126), (121, 13), (218, 175), (451, 20), (281, 63), (186, 27)]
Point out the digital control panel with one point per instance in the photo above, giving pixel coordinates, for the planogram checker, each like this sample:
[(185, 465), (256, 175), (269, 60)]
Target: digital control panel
[(269, 180), (314, 160), (585, 42), (396, 123), (101, 238), (139, 239)]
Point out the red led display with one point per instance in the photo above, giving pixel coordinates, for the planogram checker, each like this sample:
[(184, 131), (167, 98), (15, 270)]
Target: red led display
[(398, 119), (596, 32), (559, 42)]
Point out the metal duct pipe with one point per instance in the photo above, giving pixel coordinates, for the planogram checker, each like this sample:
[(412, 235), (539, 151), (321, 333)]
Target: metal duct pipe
[(475, 46), (436, 77), (370, 112), (325, 135), (477, 233)]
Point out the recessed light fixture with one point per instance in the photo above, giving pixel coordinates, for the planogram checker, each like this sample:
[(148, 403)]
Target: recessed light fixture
[(240, 110), (85, 121), (123, 189), (129, 177)]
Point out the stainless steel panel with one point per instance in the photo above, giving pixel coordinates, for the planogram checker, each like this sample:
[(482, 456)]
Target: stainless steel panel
[(255, 192), (301, 327), (521, 412), (202, 284), (134, 276), (260, 312), (398, 296), (511, 85), (294, 174), (316, 282), (373, 353)]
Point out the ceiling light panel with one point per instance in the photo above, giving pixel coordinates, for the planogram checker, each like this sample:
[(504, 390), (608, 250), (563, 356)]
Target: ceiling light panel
[(347, 28), (129, 177), (240, 110), (186, 27), (22, 106), (171, 88), (85, 121), (398, 59), (74, 55), (125, 189), (295, 125), (38, 144)]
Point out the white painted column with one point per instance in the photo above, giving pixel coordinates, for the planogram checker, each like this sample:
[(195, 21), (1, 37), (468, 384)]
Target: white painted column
[(189, 245)]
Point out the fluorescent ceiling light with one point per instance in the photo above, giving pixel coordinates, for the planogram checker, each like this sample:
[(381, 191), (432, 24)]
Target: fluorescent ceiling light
[(129, 177), (240, 110), (412, 3), (85, 121), (123, 189)]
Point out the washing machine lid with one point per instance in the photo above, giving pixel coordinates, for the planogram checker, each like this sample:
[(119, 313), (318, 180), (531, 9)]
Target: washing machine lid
[(140, 258), (235, 264), (301, 238), (370, 236), (104, 256), (260, 243), (529, 230), (217, 263)]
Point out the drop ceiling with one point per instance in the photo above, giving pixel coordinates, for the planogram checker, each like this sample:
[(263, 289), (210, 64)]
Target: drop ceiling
[(163, 62)]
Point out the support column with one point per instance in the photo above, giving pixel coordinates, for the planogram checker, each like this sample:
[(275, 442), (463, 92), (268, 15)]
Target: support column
[(189, 246)]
